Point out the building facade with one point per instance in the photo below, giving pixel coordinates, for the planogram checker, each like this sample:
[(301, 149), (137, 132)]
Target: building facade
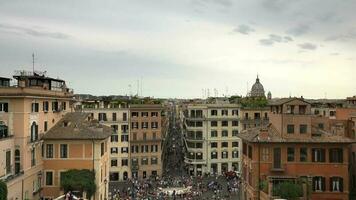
[(27, 111), (146, 131), (297, 147), (76, 142), (210, 133), (115, 116)]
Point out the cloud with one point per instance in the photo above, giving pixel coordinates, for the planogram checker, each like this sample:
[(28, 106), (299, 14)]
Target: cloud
[(225, 3), (298, 30), (244, 29), (34, 32), (275, 5), (275, 39), (349, 35), (308, 46), (335, 54)]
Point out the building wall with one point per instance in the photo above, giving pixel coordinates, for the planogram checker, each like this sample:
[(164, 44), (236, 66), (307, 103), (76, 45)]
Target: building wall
[(119, 122), (137, 139), (80, 156), (19, 119)]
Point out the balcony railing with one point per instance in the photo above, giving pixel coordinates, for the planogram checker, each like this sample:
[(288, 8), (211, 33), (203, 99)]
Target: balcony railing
[(194, 138), (12, 173), (194, 161), (281, 167)]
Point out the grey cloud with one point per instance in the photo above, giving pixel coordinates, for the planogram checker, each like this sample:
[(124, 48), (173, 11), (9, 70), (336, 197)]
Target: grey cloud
[(244, 29), (298, 30), (275, 5), (225, 3), (308, 46), (275, 39), (34, 32), (349, 35)]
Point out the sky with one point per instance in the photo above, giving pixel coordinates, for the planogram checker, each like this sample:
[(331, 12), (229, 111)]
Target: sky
[(185, 48)]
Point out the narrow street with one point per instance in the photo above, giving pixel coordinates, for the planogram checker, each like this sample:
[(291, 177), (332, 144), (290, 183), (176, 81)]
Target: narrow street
[(173, 163)]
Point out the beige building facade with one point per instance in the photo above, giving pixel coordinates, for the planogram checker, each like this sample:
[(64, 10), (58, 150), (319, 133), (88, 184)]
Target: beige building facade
[(210, 132)]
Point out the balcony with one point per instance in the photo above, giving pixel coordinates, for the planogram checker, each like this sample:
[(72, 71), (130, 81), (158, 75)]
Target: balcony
[(5, 136), (194, 138), (12, 173)]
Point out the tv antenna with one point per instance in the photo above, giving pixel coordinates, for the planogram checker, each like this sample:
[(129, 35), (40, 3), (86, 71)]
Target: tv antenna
[(33, 63)]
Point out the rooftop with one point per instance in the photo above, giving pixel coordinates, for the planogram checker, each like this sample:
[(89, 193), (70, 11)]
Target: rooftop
[(76, 126), (270, 135)]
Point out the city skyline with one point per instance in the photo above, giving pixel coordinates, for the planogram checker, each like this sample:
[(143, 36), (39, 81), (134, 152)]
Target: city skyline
[(301, 48)]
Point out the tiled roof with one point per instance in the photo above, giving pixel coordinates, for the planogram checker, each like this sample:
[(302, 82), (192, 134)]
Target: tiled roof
[(276, 102), (76, 126), (254, 136)]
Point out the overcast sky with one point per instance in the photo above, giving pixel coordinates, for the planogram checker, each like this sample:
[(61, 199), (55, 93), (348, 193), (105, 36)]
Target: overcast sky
[(177, 48)]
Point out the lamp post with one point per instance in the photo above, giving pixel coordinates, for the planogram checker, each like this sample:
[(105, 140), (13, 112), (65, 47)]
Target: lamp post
[(105, 182)]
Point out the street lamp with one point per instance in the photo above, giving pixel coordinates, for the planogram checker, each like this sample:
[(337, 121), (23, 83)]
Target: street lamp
[(105, 182)]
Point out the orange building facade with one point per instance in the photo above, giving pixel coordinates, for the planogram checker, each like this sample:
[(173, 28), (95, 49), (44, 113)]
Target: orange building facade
[(297, 147)]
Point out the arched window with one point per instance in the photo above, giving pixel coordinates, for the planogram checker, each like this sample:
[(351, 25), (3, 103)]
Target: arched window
[(125, 176), (34, 132), (3, 130)]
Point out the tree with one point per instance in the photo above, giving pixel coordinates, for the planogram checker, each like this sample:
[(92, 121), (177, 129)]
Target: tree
[(288, 190), (82, 180), (3, 190)]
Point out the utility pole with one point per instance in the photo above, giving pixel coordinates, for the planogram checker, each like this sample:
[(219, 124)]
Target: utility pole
[(33, 63)]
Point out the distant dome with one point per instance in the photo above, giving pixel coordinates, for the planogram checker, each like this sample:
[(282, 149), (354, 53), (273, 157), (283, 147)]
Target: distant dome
[(257, 89)]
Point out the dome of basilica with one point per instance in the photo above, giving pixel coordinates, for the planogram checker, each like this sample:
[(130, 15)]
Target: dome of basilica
[(257, 89)]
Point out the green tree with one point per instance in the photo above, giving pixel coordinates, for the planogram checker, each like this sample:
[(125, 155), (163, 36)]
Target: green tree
[(288, 190), (81, 180), (3, 191)]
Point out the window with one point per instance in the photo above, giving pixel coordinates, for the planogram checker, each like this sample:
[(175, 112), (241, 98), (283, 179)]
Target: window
[(214, 145), (303, 128), (318, 183), (321, 126), (114, 163), (102, 117), (144, 161), (336, 184), (290, 128), (144, 114), (134, 114), (154, 148), (213, 123), (224, 112), (214, 155), (154, 125), (235, 154), (290, 154), (3, 130), (45, 106), (115, 128), (336, 155), (224, 133), (45, 128), (214, 133), (134, 125), (235, 112), (113, 116), (114, 176), (154, 114), (34, 107), (124, 116), (250, 151), (265, 154), (235, 144), (235, 123), (235, 133), (144, 125), (213, 112), (114, 150), (124, 162), (124, 138), (154, 161), (277, 164), (33, 157), (49, 150), (199, 145), (114, 138), (224, 154), (224, 144), (318, 155), (64, 105), (4, 107), (63, 151), (224, 123), (102, 149), (124, 149), (55, 107), (34, 132), (303, 154), (49, 178)]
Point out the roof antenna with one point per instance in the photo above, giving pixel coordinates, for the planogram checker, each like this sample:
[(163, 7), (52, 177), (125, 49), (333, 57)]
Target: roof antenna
[(33, 63)]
